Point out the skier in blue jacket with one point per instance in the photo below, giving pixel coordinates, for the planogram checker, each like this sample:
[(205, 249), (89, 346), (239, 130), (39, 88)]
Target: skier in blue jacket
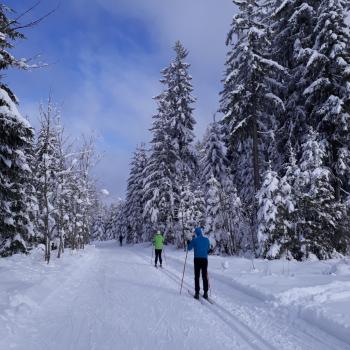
[(201, 246)]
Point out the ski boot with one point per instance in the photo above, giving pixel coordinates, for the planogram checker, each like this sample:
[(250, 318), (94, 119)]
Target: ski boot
[(205, 295), (196, 296)]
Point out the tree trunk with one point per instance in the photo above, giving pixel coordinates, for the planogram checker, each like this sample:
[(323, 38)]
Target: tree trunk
[(337, 182), (256, 155), (256, 179)]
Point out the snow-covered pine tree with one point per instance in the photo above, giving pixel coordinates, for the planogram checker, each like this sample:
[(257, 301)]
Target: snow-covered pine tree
[(291, 192), (214, 224), (178, 94), (62, 189), (186, 214), (321, 218), (292, 25), (16, 139), (47, 168), (248, 100), (120, 221), (214, 165), (161, 187), (115, 226), (83, 190), (328, 94), (270, 221), (134, 197), (98, 230), (198, 207), (235, 222), (109, 223), (213, 160), (277, 213)]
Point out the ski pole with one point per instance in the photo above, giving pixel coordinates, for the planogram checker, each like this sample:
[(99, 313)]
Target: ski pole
[(183, 273), (209, 286), (165, 257)]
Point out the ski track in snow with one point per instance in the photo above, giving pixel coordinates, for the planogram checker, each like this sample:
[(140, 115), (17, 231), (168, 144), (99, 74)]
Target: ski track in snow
[(243, 313), (282, 328), (116, 299)]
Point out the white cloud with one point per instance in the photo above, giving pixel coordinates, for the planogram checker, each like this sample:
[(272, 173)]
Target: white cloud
[(113, 94), (202, 27)]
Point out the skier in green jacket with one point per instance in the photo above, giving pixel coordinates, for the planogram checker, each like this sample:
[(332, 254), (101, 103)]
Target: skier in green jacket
[(158, 242)]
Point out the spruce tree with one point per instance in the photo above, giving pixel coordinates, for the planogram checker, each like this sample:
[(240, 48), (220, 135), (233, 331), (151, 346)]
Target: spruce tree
[(134, 198), (98, 231), (235, 221), (47, 169), (213, 160), (120, 222), (16, 141), (292, 25), (248, 100), (83, 190), (320, 226), (268, 213), (198, 207), (161, 187), (186, 213), (274, 214), (214, 224), (327, 95), (178, 94)]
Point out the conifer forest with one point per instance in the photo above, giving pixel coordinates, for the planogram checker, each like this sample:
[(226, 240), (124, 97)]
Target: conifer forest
[(270, 176), (175, 175)]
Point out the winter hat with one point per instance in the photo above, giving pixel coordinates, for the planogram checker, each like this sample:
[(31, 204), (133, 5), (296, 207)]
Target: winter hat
[(198, 231)]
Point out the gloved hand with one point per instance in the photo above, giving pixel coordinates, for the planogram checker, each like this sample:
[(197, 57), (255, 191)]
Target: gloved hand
[(188, 242)]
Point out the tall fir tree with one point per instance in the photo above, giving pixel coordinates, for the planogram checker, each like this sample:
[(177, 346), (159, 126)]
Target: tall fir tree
[(251, 103), (214, 224), (248, 100), (213, 160), (186, 213), (172, 158), (235, 222), (161, 187), (16, 142), (178, 94), (134, 197), (47, 169), (275, 208), (320, 224), (292, 25), (99, 225), (328, 93)]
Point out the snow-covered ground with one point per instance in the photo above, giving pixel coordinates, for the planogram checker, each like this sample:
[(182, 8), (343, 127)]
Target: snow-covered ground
[(108, 297)]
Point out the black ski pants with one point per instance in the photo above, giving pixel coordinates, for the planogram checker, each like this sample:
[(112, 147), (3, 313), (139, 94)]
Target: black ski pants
[(158, 256), (201, 265)]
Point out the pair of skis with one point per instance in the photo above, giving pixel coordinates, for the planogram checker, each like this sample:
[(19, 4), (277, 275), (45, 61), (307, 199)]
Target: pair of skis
[(201, 299)]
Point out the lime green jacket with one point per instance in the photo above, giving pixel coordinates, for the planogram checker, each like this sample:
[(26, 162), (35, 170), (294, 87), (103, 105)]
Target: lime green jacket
[(158, 241)]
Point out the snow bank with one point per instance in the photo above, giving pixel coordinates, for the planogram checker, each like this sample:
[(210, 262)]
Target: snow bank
[(319, 292)]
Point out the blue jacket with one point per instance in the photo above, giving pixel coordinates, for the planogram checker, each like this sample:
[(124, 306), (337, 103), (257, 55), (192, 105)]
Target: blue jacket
[(200, 244)]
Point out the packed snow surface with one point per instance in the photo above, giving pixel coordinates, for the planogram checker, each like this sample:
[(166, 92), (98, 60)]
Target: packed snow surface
[(110, 297)]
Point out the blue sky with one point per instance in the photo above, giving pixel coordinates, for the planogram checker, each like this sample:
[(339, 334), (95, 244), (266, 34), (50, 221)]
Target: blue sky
[(105, 57)]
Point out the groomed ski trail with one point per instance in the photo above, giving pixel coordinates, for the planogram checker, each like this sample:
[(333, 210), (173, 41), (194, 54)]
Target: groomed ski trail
[(252, 320), (117, 300)]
